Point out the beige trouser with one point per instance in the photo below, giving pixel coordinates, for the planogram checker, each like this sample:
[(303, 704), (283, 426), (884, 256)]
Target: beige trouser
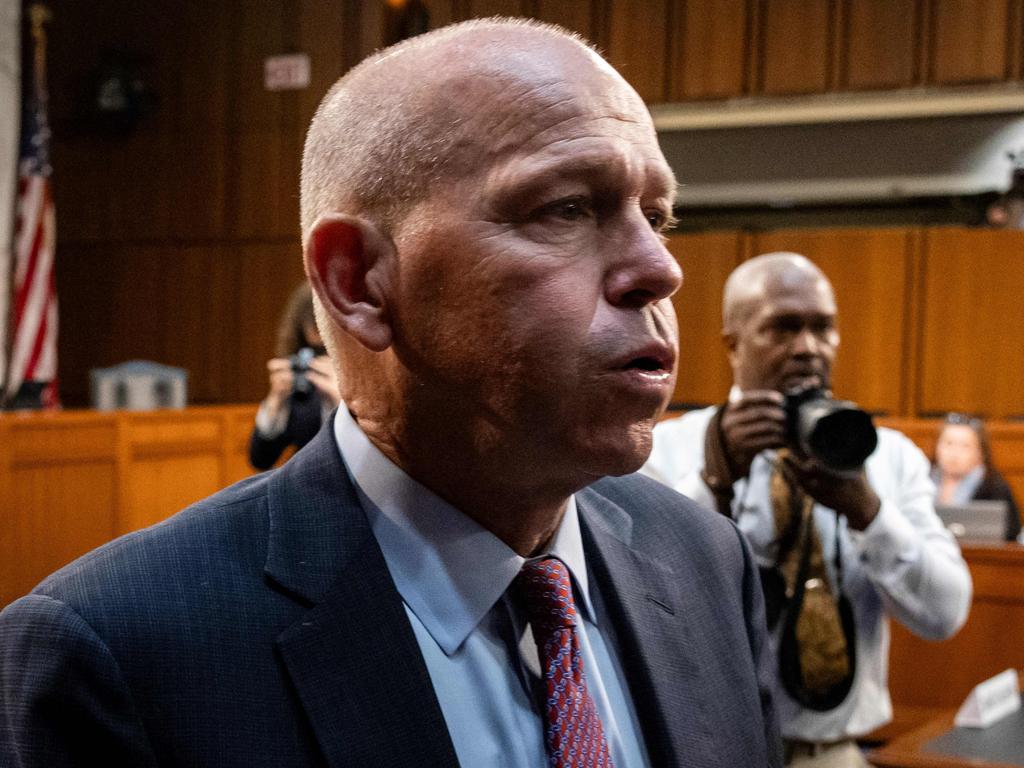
[(845, 754)]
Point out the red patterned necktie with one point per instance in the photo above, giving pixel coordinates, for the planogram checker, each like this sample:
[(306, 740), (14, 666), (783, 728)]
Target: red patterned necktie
[(574, 736)]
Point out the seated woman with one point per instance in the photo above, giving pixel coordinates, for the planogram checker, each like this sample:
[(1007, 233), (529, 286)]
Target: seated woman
[(303, 385), (963, 470)]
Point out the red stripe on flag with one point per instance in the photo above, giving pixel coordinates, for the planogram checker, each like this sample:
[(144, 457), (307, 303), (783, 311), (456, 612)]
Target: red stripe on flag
[(37, 348), (33, 260), (37, 345), (33, 253)]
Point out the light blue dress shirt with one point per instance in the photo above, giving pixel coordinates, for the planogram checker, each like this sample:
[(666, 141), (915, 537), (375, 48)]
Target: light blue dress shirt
[(452, 575)]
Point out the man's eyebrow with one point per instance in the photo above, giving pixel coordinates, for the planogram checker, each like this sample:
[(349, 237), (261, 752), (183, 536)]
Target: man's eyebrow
[(791, 315), (665, 181)]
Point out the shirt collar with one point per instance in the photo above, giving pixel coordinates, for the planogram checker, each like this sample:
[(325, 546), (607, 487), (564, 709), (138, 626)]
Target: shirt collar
[(449, 570)]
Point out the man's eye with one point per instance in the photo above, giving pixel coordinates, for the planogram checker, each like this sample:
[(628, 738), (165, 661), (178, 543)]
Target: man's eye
[(571, 209), (658, 220)]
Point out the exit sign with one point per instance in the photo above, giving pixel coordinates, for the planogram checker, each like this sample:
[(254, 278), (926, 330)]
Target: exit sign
[(289, 72)]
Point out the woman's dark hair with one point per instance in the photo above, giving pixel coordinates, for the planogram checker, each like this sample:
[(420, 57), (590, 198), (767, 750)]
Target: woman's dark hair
[(298, 313), (976, 424)]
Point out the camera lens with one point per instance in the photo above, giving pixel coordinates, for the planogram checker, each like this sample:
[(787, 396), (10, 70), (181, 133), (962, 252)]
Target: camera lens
[(836, 432), (841, 437)]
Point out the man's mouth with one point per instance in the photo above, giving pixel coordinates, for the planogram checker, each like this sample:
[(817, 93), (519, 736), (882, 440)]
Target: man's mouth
[(653, 358), (644, 363), (802, 380), (647, 369)]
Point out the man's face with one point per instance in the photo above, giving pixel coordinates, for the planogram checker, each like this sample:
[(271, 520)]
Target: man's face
[(533, 303), (789, 339)]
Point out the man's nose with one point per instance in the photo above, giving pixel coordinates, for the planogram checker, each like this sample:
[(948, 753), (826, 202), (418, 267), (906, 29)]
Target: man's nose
[(806, 343), (642, 271)]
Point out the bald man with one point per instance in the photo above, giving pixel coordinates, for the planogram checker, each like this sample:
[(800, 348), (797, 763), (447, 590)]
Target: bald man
[(441, 577), (895, 557)]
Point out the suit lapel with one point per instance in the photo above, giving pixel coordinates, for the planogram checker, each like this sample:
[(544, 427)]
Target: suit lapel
[(352, 657), (656, 637)]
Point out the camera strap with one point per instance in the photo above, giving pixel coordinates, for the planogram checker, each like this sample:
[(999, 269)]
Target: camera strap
[(717, 472), (817, 649)]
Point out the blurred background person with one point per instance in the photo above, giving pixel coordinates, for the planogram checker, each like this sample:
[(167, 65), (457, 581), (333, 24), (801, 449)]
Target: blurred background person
[(303, 385), (963, 471)]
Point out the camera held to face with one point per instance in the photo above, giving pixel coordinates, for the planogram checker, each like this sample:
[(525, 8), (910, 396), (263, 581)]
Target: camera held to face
[(835, 432), (302, 387)]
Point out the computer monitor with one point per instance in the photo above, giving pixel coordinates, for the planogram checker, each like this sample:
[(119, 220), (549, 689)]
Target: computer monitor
[(982, 521)]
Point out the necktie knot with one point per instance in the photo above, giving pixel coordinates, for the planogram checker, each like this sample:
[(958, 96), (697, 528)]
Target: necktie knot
[(545, 593)]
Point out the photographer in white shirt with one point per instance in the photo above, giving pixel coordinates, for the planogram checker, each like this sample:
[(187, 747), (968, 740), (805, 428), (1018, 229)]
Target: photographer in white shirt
[(896, 558)]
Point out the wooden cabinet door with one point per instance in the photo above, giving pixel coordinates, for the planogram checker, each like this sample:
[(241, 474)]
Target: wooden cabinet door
[(868, 269), (972, 357), (879, 44), (710, 51), (58, 493), (972, 41), (703, 370), (795, 46), (638, 45)]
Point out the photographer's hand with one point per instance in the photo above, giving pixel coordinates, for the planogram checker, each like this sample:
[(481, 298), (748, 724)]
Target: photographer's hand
[(751, 424), (321, 373), (848, 494), (281, 378)]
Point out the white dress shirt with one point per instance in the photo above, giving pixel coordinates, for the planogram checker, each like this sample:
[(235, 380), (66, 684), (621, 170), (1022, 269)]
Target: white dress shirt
[(453, 575), (905, 564)]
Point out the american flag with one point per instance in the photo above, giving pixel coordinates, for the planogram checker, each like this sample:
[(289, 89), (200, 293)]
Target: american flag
[(33, 350)]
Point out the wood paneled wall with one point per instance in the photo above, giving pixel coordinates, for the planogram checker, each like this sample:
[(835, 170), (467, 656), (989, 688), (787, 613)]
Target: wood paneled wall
[(931, 319), (178, 241), (972, 324), (725, 48)]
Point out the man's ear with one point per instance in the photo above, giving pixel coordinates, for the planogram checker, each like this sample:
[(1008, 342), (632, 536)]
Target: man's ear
[(348, 261), (730, 339)]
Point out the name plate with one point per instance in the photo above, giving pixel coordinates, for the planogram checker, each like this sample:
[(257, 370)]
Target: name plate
[(991, 700)]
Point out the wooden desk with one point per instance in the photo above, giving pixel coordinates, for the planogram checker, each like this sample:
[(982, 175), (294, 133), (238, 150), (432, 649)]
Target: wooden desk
[(939, 744), (72, 480), (940, 675)]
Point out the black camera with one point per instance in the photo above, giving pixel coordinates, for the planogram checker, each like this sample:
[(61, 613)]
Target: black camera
[(835, 432), (302, 387)]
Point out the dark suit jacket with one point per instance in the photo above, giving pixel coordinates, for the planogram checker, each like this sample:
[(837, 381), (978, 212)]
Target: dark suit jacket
[(260, 627), (305, 415)]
